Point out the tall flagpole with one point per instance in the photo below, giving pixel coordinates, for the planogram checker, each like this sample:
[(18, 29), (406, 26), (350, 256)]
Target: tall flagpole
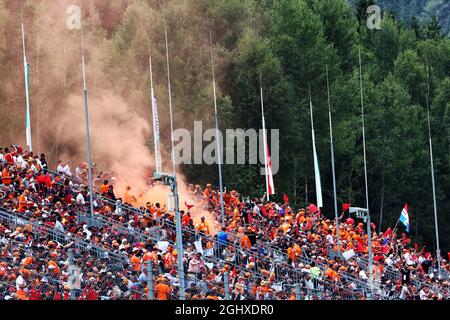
[(264, 137), (179, 237), (216, 116), (86, 112), (369, 231), (156, 137), (436, 224), (316, 161), (27, 89), (332, 167)]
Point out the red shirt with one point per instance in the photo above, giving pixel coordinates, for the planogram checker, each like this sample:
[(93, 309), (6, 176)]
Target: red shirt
[(9, 157)]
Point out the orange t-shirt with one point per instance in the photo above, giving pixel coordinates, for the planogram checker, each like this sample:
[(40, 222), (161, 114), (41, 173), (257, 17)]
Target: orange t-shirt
[(104, 188), (6, 179), (245, 242), (162, 291), (136, 263), (27, 261)]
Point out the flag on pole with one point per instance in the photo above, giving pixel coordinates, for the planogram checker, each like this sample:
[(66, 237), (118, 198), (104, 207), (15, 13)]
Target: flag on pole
[(270, 188), (269, 176), (27, 92), (345, 207), (28, 120), (317, 177), (404, 217), (387, 235), (156, 137), (188, 206), (316, 160), (285, 198)]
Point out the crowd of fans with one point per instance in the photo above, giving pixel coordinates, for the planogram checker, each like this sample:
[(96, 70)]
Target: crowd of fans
[(264, 250)]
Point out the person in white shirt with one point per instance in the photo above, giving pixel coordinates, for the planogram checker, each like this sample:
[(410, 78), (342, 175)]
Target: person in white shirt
[(58, 225), (404, 293), (18, 159), (23, 164), (408, 258), (64, 168), (67, 170), (20, 283), (362, 275), (80, 198), (330, 239), (1, 155), (423, 294), (60, 167)]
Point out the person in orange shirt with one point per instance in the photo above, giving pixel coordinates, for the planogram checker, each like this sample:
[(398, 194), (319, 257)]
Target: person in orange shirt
[(159, 211), (162, 290), (129, 197), (297, 249), (207, 191), (245, 242), (53, 266), (285, 227), (291, 255), (104, 187), (150, 256), (6, 178), (202, 226), (136, 263), (27, 261), (23, 201), (186, 219)]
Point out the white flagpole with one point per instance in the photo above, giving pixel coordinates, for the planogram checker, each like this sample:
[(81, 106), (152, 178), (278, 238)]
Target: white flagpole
[(154, 106), (436, 224), (369, 232), (216, 116), (86, 112), (264, 138), (316, 160), (27, 90), (332, 166)]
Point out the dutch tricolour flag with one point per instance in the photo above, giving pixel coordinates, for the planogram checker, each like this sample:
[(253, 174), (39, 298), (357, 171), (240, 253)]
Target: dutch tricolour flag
[(404, 217)]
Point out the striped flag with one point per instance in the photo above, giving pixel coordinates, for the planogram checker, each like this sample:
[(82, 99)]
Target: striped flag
[(404, 217)]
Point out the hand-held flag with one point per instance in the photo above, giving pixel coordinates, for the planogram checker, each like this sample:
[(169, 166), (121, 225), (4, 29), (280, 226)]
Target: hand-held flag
[(404, 217), (188, 206)]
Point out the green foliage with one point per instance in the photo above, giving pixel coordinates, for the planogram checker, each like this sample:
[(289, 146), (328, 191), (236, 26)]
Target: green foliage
[(291, 42)]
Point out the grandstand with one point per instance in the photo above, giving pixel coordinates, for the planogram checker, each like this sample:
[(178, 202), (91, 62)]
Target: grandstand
[(52, 247)]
